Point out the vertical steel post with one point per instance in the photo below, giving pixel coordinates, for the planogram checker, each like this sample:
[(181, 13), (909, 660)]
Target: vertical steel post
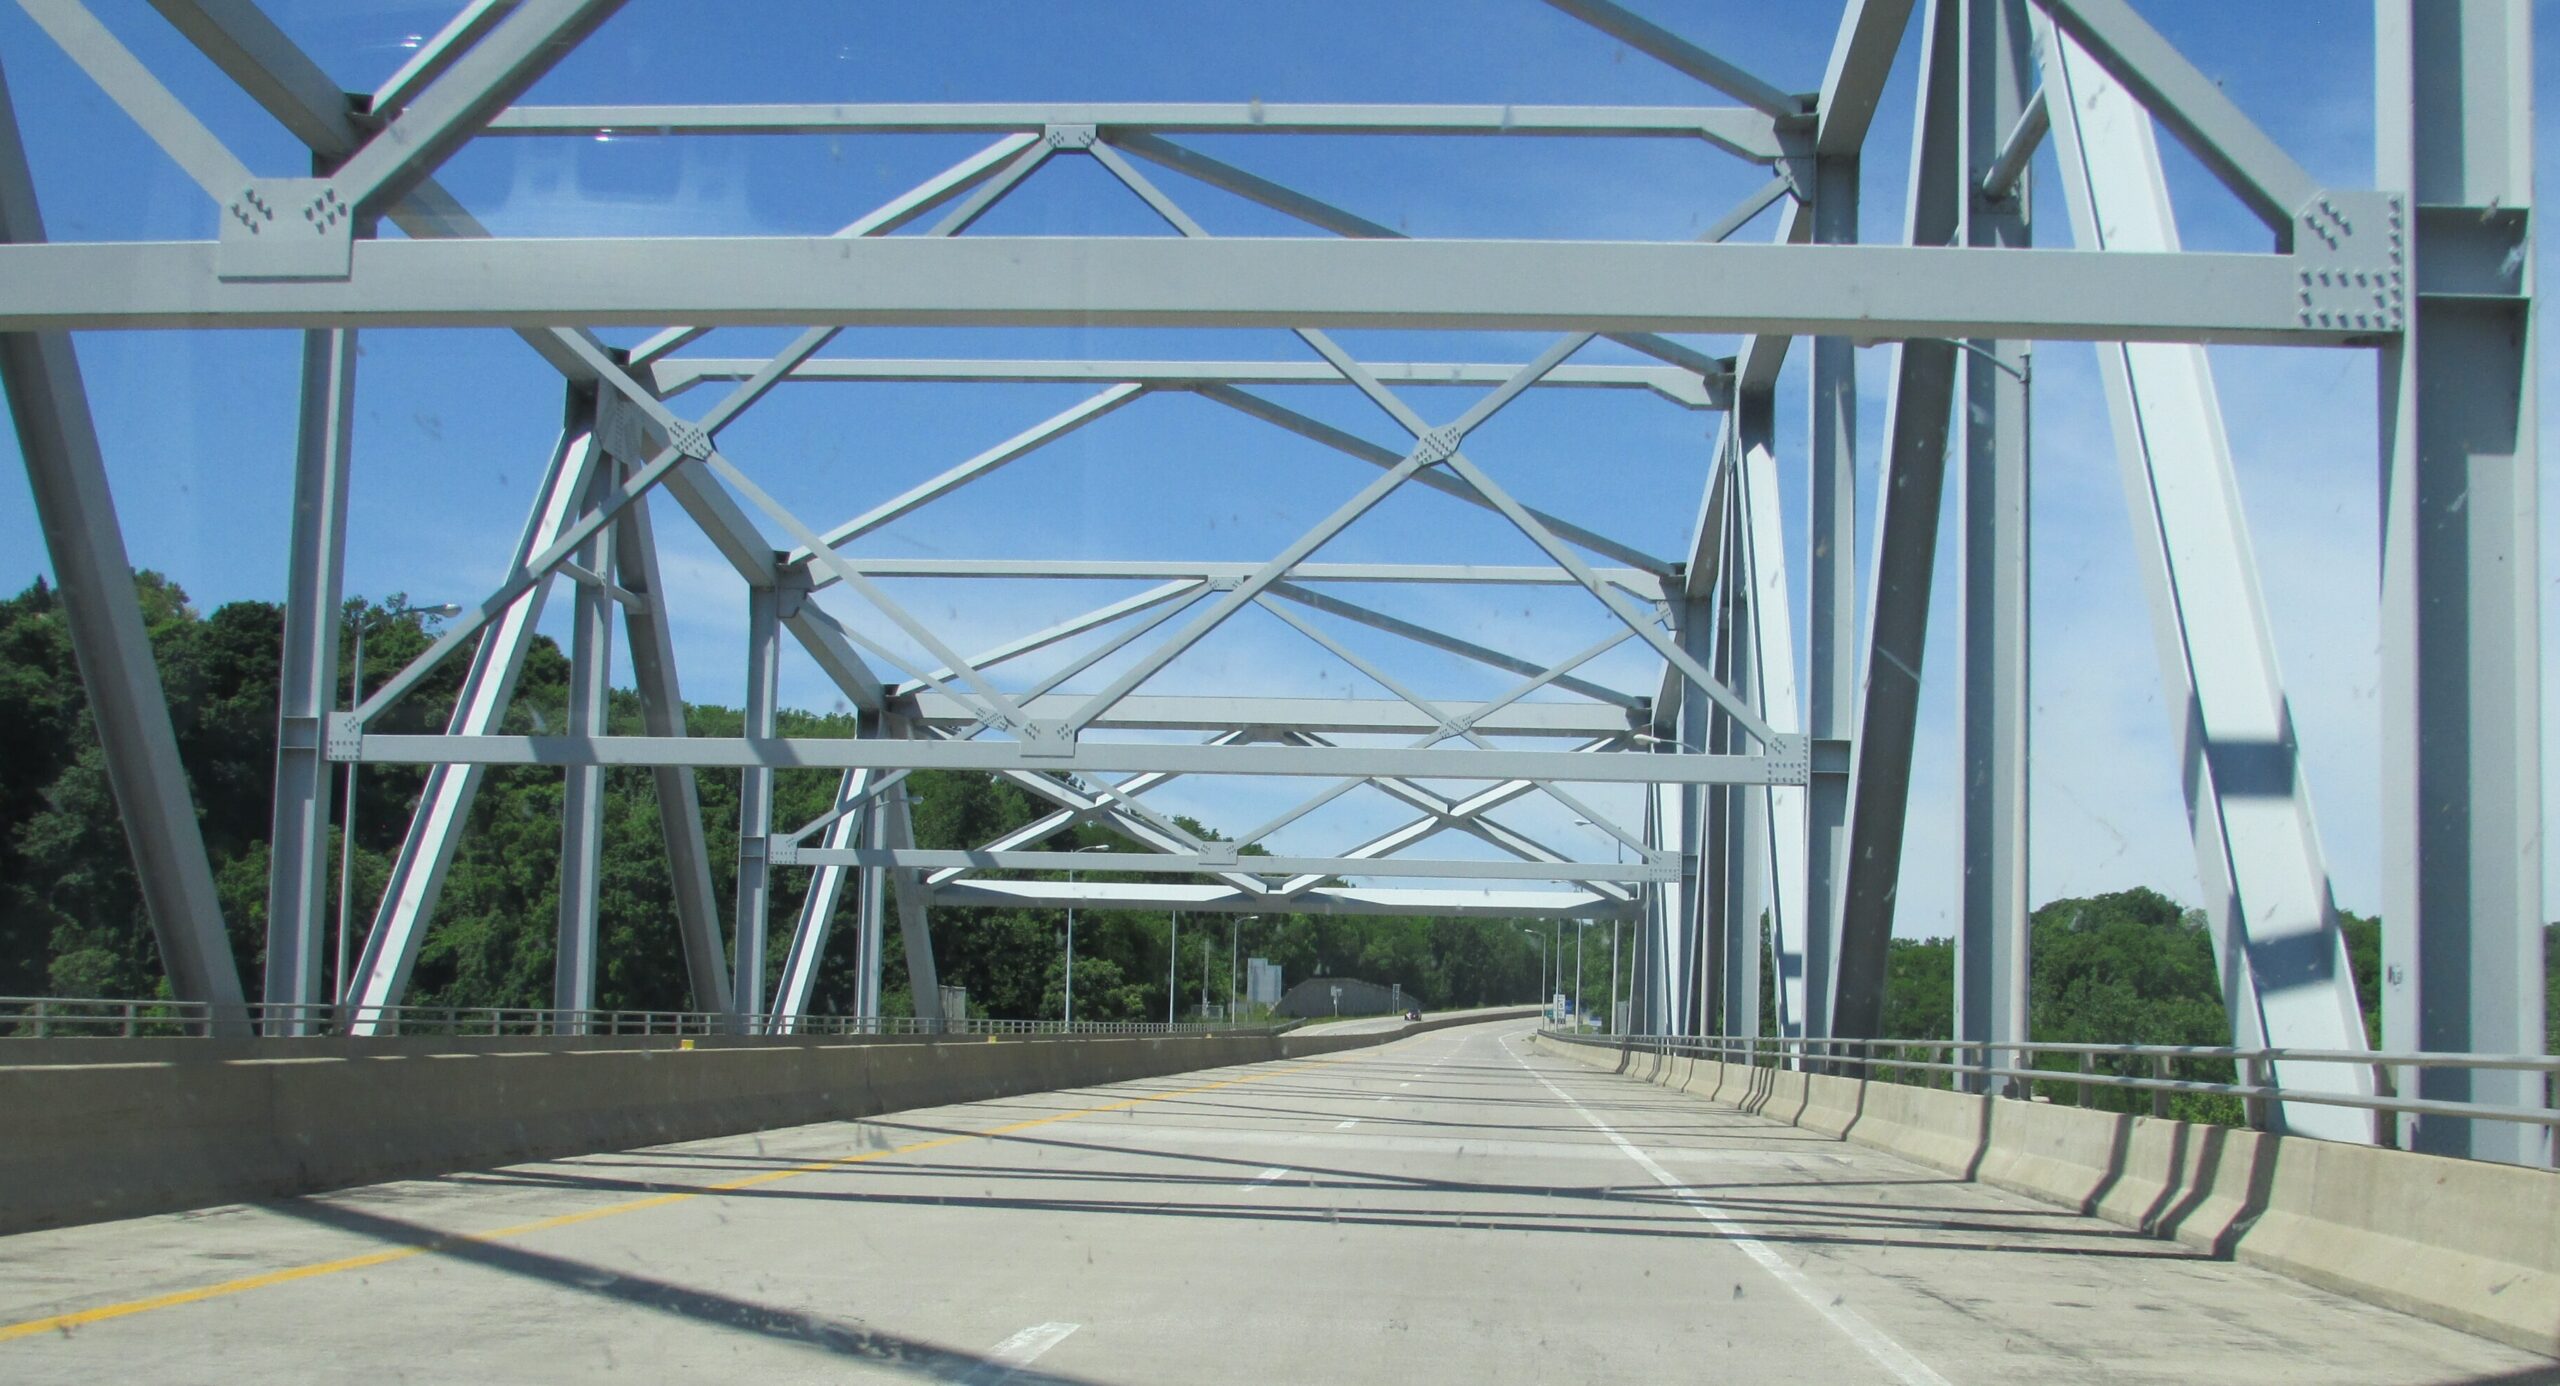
[(573, 977), (875, 904), (915, 931), (307, 686), (1831, 635), (1779, 813), (755, 801), (59, 442), (1997, 77), (2461, 631)]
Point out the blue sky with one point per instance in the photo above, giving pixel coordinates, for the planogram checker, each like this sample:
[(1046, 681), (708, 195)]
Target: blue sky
[(453, 428)]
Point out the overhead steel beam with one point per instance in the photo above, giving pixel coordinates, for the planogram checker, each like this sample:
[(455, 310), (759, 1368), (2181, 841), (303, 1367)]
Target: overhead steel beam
[(1431, 763), (1865, 292), (1684, 57), (58, 441), (674, 375), (2192, 107), (1160, 864), (1749, 134), (1439, 902), (1380, 715)]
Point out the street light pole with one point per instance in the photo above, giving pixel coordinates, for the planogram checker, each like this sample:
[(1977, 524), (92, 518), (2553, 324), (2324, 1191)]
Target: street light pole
[(1577, 974), (1542, 960), (347, 815), (1173, 968), (1617, 1024)]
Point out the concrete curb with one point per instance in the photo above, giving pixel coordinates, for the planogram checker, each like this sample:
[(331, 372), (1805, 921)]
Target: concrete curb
[(2465, 1243), (189, 1123)]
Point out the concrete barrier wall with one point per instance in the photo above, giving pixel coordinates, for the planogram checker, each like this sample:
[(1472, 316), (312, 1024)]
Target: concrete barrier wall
[(92, 1129), (2466, 1243)]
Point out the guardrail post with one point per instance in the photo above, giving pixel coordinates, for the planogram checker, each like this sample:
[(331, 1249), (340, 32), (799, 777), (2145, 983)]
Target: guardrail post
[(2088, 1065), (2160, 1096), (129, 1009), (2253, 1069)]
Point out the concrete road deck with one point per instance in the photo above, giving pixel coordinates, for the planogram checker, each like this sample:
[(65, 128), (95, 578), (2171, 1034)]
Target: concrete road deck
[(1448, 1207)]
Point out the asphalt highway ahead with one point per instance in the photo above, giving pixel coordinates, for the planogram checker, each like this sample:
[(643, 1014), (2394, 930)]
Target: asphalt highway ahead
[(1448, 1207)]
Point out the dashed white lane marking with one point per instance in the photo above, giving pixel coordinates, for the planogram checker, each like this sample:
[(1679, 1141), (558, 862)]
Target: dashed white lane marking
[(1275, 1172), (1346, 1125), (1019, 1351), (1874, 1341)]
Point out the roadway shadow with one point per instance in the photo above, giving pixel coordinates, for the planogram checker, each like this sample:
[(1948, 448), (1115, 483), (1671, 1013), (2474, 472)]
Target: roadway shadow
[(869, 1346)]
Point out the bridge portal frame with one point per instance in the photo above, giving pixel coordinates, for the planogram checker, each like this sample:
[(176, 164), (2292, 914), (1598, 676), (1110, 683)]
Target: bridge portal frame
[(1755, 808)]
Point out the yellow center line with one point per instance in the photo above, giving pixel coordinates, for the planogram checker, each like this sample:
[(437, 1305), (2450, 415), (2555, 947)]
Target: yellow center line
[(59, 1323)]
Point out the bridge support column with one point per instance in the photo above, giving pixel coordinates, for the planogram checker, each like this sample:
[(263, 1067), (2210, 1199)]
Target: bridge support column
[(573, 982), (755, 800), (1831, 605), (307, 685), (1997, 80), (2461, 629)]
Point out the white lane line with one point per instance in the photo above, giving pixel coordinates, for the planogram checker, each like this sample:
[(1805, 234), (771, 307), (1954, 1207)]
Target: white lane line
[(1019, 1351), (1346, 1125), (1275, 1172), (1874, 1341)]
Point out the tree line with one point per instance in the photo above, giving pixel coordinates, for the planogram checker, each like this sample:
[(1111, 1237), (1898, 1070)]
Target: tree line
[(2128, 966)]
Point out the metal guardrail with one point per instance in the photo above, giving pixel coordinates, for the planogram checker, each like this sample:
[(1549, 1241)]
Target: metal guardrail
[(44, 1017), (1892, 1060)]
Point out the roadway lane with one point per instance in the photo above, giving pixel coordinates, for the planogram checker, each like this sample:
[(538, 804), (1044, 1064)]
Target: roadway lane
[(1448, 1207)]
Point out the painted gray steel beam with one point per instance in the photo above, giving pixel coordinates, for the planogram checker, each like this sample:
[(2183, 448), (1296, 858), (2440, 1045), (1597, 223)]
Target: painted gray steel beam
[(165, 119), (799, 981), (1429, 763), (1831, 604), (1869, 292), (452, 108), (1103, 615), (1909, 497), (2461, 632), (58, 441), (1747, 133), (429, 60), (1426, 636), (1740, 968), (1353, 445), (674, 375), (1774, 664), (1634, 582), (444, 803), (755, 797), (241, 40), (915, 927), (573, 977), (1440, 902), (1683, 57), (650, 640), (1853, 81), (307, 682), (1160, 864), (2191, 106), (2286, 980), (1218, 713), (1994, 521)]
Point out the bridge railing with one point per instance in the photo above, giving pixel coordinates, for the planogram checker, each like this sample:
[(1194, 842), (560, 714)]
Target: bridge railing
[(2022, 1068), (45, 1017)]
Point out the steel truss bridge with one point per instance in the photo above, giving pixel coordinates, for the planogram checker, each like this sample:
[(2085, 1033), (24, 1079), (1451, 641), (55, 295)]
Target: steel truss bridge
[(1769, 787)]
